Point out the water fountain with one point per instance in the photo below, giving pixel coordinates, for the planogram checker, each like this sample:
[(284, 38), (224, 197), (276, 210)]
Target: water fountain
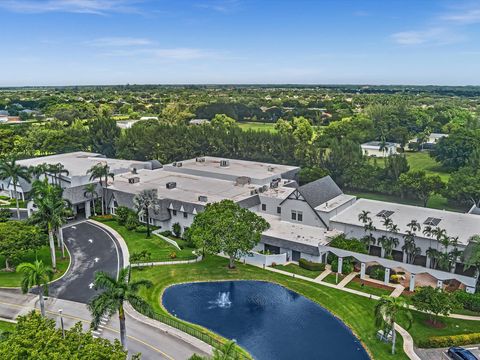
[(222, 301)]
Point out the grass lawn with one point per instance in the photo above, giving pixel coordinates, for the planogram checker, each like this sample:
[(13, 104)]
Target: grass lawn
[(295, 269), (435, 202), (332, 277), (12, 279), (6, 326), (12, 204), (423, 161), (356, 285), (257, 126), (159, 249), (355, 311)]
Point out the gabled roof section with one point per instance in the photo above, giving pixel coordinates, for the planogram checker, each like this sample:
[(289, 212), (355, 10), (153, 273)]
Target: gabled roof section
[(320, 191)]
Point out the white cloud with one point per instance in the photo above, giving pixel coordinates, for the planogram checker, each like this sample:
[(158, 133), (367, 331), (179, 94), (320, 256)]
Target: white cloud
[(119, 42), (470, 16), (223, 6), (433, 36), (98, 7)]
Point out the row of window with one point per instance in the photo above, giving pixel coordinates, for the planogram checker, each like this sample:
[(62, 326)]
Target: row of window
[(296, 214), (174, 213)]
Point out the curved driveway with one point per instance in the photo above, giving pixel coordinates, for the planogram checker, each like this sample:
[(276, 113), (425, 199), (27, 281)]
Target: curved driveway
[(91, 249)]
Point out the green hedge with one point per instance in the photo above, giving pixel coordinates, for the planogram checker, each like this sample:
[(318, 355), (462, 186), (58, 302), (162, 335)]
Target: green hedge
[(310, 265), (469, 301), (452, 340)]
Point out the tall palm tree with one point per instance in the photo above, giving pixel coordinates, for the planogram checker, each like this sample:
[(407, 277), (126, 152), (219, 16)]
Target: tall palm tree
[(38, 170), (112, 299), (56, 171), (364, 217), (36, 274), (471, 256), (147, 201), (51, 211), (101, 172), (410, 247), (9, 169), (91, 193), (386, 312)]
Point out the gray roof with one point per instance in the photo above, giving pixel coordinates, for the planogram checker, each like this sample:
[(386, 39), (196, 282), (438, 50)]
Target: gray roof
[(187, 206), (155, 164), (303, 248), (474, 210), (76, 194), (249, 202), (320, 191)]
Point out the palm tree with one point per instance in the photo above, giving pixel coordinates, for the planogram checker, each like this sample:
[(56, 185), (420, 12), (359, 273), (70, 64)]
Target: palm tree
[(388, 243), (51, 211), (364, 217), (101, 172), (38, 170), (91, 193), (9, 169), (410, 247), (36, 274), (471, 255), (112, 299), (386, 312), (147, 201), (227, 351), (56, 171)]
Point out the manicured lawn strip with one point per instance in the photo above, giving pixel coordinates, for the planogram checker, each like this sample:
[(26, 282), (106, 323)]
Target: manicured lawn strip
[(160, 250), (12, 279), (295, 269), (355, 285), (332, 277), (355, 311), (466, 312), (257, 126), (423, 161), (6, 326)]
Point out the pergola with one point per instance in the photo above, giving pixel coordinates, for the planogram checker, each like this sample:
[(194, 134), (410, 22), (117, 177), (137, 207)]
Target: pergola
[(441, 276)]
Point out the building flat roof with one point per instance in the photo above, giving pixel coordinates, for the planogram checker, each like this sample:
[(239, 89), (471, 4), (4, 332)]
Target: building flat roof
[(297, 232), (376, 144), (78, 163), (334, 203), (235, 168), (188, 187), (456, 224)]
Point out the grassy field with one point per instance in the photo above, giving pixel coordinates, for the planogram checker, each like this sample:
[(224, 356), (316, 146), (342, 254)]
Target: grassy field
[(159, 249), (295, 269), (355, 311), (423, 161), (355, 285), (332, 278), (257, 126), (12, 279), (6, 326)]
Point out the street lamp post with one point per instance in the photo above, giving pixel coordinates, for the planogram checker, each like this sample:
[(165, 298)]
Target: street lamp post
[(60, 311)]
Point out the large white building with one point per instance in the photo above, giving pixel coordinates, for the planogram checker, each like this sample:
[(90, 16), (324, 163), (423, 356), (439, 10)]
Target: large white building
[(303, 219)]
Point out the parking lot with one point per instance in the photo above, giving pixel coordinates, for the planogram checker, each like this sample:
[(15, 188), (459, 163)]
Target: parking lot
[(441, 354)]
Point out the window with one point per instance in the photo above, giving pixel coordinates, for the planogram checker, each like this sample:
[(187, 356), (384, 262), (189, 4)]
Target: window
[(297, 215), (279, 210), (174, 212), (141, 218), (151, 221), (432, 221), (185, 215), (264, 207)]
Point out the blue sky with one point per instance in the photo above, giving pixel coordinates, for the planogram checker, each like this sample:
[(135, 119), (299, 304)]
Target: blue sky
[(68, 42)]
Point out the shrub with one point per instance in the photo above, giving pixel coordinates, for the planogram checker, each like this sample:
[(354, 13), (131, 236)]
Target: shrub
[(452, 340), (177, 230), (173, 255), (166, 233), (310, 265), (378, 273), (103, 218), (347, 266), (141, 229), (395, 279), (132, 222), (5, 215), (273, 264), (468, 301), (341, 242), (122, 213)]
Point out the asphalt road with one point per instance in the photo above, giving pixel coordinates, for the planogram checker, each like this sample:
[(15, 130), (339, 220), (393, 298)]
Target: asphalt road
[(91, 249), (441, 354)]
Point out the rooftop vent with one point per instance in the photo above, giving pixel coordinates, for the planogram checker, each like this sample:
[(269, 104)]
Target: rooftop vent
[(171, 185), (177, 164), (432, 221), (134, 180), (385, 213), (134, 171), (200, 159), (224, 163), (243, 180), (275, 182), (271, 168), (202, 198)]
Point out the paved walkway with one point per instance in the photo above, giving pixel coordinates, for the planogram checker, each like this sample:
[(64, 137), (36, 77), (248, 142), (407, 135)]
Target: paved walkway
[(346, 280), (398, 291), (322, 276)]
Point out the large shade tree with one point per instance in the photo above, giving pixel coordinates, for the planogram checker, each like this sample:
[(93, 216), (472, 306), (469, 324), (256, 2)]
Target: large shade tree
[(10, 169), (36, 274), (226, 227), (116, 291)]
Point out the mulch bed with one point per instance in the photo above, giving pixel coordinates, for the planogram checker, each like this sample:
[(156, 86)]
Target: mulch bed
[(436, 325), (372, 284)]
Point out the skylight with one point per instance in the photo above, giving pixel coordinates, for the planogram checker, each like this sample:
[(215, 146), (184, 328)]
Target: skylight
[(385, 213), (432, 221)]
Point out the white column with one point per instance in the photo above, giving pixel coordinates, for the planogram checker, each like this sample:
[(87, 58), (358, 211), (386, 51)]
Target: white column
[(404, 257), (382, 252), (23, 196), (387, 276), (362, 270), (88, 212), (412, 282), (428, 262), (439, 284), (470, 289), (340, 265)]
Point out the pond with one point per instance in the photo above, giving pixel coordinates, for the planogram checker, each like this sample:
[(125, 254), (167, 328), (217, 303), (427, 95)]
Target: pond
[(268, 320)]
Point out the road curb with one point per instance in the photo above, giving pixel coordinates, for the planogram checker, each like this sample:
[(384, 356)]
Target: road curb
[(118, 238)]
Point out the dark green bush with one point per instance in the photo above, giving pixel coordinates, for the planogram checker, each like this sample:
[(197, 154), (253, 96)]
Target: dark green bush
[(141, 229), (341, 242), (468, 301), (347, 266), (122, 213), (310, 265), (132, 222)]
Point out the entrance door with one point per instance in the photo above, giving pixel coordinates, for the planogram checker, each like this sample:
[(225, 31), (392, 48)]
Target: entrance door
[(295, 255)]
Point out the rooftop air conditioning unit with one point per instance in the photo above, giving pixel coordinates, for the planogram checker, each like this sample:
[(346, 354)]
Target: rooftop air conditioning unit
[(202, 198), (134, 171), (134, 180), (171, 185), (270, 168), (179, 164), (260, 190), (264, 188), (253, 192), (200, 159), (224, 163)]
